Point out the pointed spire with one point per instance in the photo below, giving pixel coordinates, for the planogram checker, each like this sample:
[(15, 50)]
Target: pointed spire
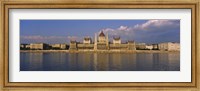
[(95, 38), (95, 41)]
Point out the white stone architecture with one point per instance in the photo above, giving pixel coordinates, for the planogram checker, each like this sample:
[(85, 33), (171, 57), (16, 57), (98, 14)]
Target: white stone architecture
[(149, 47), (169, 46), (101, 42), (39, 46)]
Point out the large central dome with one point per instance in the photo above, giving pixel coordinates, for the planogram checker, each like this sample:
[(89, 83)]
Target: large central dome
[(102, 34)]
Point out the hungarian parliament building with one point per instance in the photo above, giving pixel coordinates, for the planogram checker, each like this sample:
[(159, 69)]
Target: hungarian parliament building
[(101, 42)]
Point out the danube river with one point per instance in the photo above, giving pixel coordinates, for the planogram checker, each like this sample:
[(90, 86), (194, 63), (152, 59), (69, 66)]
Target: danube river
[(62, 61)]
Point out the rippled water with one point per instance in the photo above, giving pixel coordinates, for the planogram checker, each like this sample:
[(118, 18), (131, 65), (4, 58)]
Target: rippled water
[(59, 61)]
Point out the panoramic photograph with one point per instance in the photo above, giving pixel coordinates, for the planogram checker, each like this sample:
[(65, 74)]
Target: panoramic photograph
[(100, 45)]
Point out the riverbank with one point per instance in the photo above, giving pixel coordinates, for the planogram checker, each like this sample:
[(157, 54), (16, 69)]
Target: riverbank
[(103, 51)]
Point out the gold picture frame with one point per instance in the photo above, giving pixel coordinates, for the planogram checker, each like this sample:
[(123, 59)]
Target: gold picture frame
[(154, 86)]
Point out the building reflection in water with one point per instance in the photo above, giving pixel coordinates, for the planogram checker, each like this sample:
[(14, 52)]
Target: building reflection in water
[(31, 61), (102, 61), (115, 61), (144, 61), (72, 60), (59, 61), (161, 62), (174, 65), (94, 66), (55, 61), (84, 61), (129, 62)]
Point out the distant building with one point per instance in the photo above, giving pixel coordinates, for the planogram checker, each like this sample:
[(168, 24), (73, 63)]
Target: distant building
[(155, 46), (149, 47), (28, 46), (24, 47), (140, 46), (86, 45), (169, 46), (117, 45), (55, 46), (73, 45), (82, 46), (101, 42), (59, 46), (102, 38), (116, 40), (64, 46), (87, 40), (39, 46), (131, 45)]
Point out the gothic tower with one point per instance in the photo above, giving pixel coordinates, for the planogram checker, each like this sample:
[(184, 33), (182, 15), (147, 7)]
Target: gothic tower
[(95, 42), (107, 41)]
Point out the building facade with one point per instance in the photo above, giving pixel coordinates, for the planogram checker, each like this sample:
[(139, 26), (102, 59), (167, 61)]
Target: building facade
[(149, 47), (140, 46), (155, 46), (24, 47), (169, 46), (39, 46), (87, 40), (116, 40), (101, 42), (73, 45), (59, 46)]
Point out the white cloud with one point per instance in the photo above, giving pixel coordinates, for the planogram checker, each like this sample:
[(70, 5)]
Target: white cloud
[(156, 24), (151, 28), (123, 28)]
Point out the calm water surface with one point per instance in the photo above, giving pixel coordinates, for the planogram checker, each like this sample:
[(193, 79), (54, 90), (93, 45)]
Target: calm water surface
[(99, 61)]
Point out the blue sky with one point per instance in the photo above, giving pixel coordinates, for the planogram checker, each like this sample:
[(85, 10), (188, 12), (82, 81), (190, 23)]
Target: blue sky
[(62, 31)]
